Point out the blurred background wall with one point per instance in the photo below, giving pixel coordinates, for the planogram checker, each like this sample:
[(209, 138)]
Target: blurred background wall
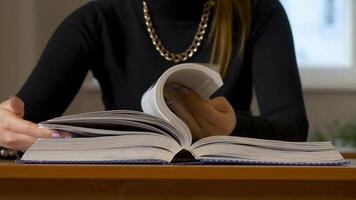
[(26, 25)]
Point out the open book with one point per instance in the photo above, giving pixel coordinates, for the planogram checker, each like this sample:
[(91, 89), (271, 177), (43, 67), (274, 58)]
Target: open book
[(157, 135)]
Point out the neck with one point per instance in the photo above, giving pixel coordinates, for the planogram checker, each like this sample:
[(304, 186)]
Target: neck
[(185, 9)]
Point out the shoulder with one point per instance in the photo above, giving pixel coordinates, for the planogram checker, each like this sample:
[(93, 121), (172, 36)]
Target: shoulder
[(96, 10), (109, 5), (265, 8), (267, 14)]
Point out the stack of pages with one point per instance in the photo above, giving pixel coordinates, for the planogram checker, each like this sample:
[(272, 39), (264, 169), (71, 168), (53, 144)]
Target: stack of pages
[(157, 135)]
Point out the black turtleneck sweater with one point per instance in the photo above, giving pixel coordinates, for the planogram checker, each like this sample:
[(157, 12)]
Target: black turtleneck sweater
[(109, 38)]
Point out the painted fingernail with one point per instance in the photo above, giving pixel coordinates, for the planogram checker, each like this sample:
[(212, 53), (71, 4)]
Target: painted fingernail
[(171, 104), (185, 91), (11, 97), (176, 87), (55, 134)]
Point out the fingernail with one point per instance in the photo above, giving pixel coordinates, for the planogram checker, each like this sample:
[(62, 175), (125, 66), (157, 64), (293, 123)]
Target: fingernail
[(40, 126), (185, 91), (11, 97), (171, 104), (55, 134), (176, 87), (68, 136)]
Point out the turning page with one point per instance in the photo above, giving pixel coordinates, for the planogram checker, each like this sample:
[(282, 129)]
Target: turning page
[(203, 80)]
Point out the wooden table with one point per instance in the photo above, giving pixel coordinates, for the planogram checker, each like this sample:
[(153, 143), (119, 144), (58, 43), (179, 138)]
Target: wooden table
[(20, 181), (351, 154)]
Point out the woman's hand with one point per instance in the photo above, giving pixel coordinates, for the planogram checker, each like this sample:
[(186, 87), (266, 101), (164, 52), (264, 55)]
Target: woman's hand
[(16, 133), (204, 118)]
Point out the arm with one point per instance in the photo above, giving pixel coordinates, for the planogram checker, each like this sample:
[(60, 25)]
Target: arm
[(276, 81), (62, 67), (271, 56), (52, 85)]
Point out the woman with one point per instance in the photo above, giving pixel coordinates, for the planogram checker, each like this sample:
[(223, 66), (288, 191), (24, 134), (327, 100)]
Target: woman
[(129, 44)]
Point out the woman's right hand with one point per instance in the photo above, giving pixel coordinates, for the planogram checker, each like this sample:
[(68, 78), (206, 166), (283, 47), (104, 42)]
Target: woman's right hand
[(16, 133)]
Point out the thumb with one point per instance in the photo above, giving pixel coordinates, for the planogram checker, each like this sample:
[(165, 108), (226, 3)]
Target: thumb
[(220, 104), (17, 106)]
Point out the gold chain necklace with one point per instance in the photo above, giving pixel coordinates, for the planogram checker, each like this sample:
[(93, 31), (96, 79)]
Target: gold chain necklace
[(198, 38)]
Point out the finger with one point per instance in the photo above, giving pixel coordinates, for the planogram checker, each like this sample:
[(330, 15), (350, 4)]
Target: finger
[(177, 105), (221, 104), (224, 107), (17, 106), (6, 105), (16, 141), (65, 134), (171, 94), (24, 127), (186, 117), (209, 118), (199, 107)]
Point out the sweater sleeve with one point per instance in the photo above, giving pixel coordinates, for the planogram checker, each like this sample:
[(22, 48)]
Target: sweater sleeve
[(275, 79), (62, 67)]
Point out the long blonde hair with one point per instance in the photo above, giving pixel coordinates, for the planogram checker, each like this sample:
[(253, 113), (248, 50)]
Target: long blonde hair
[(222, 30)]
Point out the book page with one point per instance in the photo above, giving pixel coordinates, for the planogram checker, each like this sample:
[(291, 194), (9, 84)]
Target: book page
[(113, 122), (128, 147), (259, 150), (199, 78)]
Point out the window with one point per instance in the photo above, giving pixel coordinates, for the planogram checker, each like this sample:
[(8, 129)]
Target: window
[(324, 40)]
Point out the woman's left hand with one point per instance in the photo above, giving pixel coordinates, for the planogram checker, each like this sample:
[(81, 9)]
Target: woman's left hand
[(203, 117)]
